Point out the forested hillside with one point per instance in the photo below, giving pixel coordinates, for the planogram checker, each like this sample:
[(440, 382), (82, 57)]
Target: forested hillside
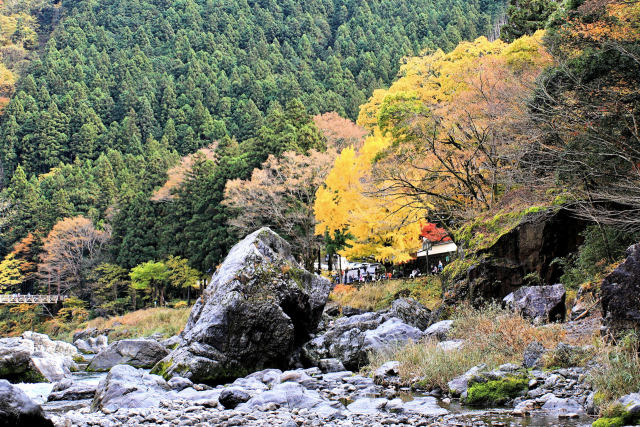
[(117, 73)]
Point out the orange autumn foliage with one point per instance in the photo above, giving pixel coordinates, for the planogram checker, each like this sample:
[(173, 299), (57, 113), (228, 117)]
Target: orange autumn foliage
[(340, 132)]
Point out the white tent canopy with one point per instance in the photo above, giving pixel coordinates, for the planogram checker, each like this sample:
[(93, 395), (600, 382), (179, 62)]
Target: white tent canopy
[(440, 248)]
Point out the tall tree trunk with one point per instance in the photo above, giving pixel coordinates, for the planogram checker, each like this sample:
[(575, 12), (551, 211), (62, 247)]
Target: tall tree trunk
[(161, 297)]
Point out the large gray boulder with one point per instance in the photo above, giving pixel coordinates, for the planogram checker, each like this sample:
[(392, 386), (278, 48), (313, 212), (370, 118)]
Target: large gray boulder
[(16, 409), (258, 309), (35, 358), (140, 353), (350, 339), (540, 303), (620, 293), (128, 387)]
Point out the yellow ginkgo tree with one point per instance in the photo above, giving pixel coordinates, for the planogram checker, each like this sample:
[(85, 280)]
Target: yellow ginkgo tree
[(444, 138)]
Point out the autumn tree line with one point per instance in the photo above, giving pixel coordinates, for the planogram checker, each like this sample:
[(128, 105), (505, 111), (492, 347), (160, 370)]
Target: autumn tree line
[(136, 140)]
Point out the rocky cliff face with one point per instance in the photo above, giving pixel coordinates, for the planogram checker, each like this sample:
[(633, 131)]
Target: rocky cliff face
[(259, 308), (620, 292), (530, 247)]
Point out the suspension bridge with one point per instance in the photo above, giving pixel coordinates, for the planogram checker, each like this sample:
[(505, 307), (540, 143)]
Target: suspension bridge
[(30, 299)]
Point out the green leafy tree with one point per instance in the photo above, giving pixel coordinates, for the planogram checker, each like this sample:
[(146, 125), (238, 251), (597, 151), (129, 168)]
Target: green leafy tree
[(151, 277)]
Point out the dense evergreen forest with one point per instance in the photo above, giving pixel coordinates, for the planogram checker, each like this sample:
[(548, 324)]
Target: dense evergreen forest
[(114, 93), (117, 73)]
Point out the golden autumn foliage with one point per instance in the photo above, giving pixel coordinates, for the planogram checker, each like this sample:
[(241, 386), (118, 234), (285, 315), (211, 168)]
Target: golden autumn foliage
[(616, 21), (17, 267), (443, 136)]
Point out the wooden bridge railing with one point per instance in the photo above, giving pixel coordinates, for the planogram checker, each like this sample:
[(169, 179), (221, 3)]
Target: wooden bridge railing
[(30, 299)]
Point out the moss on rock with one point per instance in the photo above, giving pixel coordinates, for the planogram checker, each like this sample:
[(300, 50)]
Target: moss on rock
[(496, 392)]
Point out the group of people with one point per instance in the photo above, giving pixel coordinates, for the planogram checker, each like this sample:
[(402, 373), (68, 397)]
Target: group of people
[(362, 275), (435, 269)]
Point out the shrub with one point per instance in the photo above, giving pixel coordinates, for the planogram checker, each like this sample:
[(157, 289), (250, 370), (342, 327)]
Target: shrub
[(496, 392), (595, 254), (617, 372)]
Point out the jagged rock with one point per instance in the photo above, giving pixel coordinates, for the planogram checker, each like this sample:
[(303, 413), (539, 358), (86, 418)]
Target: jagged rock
[(140, 353), (350, 339), (424, 406), (42, 342), (16, 409), (92, 345), (411, 312), (35, 358), (533, 355), (293, 395), (171, 343), (631, 403), (459, 385), (231, 397), (330, 365), (383, 373), (351, 311), (259, 307), (128, 387), (439, 330), (620, 293), (179, 383), (68, 390), (558, 405), (343, 339), (391, 332), (332, 309), (540, 303), (90, 333)]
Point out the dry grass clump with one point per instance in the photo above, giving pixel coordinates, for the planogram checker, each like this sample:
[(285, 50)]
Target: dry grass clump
[(492, 335), (141, 323), (498, 330), (617, 371), (380, 295)]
